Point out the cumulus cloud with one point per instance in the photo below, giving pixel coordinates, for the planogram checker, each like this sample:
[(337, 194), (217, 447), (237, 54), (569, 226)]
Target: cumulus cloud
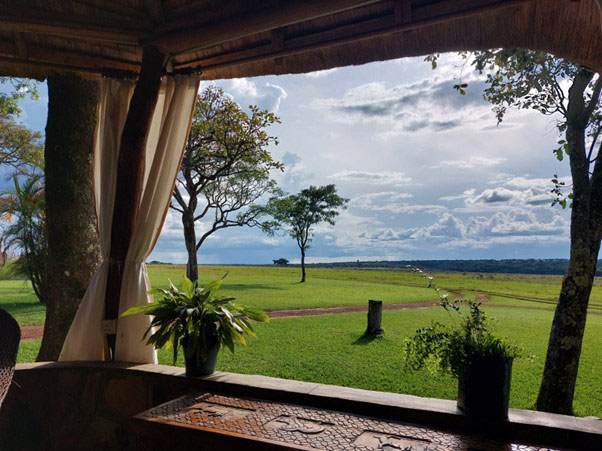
[(267, 96), (321, 73), (295, 172), (479, 231), (372, 199), (465, 195), (524, 182), (390, 201), (430, 105), (470, 162), (373, 178), (501, 196)]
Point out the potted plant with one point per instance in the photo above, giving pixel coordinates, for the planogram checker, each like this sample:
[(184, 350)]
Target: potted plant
[(196, 319), (468, 350)]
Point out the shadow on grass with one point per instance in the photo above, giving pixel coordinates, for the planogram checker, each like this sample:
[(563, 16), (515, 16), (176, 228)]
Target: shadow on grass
[(366, 339), (16, 308)]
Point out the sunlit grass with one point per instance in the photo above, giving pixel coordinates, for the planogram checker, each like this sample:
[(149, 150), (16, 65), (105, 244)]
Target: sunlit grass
[(329, 349)]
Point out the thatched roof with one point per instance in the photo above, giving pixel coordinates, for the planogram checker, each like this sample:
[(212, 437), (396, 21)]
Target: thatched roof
[(236, 38)]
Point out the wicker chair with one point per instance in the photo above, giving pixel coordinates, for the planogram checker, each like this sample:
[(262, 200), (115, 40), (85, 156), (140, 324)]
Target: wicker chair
[(10, 336)]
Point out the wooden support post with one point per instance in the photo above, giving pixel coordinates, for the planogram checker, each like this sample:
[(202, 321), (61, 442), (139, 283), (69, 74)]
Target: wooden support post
[(130, 175), (375, 316)]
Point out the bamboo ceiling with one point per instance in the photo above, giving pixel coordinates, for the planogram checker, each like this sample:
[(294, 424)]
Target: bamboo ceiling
[(241, 38)]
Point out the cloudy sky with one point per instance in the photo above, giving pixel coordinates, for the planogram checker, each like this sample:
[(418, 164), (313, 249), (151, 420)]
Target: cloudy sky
[(428, 172)]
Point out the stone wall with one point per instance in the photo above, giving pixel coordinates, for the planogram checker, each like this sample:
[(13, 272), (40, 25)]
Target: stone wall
[(53, 406), (75, 406)]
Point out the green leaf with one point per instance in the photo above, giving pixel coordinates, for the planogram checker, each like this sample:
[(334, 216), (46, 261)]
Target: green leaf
[(146, 309), (187, 286), (212, 286), (559, 154)]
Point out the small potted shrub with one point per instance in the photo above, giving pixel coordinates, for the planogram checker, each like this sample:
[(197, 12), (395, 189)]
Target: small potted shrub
[(468, 350), (196, 319)]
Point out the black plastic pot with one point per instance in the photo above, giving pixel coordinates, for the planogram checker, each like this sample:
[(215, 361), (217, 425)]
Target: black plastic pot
[(484, 391), (198, 365)]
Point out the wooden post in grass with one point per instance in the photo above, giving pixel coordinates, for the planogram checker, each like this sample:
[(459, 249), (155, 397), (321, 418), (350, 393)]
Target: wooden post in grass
[(375, 316)]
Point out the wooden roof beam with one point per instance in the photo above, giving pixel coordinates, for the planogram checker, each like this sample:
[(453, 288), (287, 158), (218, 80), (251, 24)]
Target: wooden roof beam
[(68, 25), (286, 13), (21, 45), (368, 29), (114, 8), (403, 11), (67, 57), (155, 11)]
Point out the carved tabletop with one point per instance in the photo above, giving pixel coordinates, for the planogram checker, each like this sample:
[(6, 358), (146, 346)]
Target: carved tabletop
[(298, 427)]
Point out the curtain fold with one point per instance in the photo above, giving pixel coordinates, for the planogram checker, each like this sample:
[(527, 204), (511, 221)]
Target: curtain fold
[(163, 155)]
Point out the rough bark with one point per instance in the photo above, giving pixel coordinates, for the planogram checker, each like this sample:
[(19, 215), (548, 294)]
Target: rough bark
[(73, 249), (564, 348), (375, 316), (192, 268), (302, 265)]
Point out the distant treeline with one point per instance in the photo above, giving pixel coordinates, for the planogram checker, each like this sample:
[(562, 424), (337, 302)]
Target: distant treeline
[(514, 266)]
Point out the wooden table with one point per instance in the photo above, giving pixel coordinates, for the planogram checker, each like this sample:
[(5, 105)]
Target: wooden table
[(208, 421)]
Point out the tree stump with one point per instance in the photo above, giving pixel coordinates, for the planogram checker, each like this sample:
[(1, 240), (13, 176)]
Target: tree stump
[(375, 315)]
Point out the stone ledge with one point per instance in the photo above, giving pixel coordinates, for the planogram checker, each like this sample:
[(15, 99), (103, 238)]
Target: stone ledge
[(529, 426)]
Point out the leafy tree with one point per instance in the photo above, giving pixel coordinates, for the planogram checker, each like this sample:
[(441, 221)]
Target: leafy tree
[(9, 101), (54, 214), (20, 148), (225, 170), (525, 79), (299, 213), (281, 262), (24, 209)]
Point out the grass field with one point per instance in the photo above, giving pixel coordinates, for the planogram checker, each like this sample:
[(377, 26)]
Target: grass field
[(329, 349)]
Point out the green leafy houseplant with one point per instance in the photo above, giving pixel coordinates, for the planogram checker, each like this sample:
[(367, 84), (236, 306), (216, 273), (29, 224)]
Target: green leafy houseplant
[(197, 319), (469, 350), (452, 348)]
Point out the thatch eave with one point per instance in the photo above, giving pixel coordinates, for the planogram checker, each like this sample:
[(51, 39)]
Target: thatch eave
[(235, 38)]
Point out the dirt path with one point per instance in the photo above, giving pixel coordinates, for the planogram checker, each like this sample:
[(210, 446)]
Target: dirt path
[(358, 308), (350, 309), (29, 332)]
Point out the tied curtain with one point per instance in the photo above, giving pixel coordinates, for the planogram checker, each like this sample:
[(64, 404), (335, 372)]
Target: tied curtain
[(163, 155)]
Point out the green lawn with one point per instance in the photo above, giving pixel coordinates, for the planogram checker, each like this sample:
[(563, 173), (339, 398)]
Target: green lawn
[(329, 349), (279, 288), (17, 298)]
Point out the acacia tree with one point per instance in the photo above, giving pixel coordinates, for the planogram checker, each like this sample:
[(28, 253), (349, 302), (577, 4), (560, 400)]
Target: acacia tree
[(225, 170), (533, 80), (299, 213)]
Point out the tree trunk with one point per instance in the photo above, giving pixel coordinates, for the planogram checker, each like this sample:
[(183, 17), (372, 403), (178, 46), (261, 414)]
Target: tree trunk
[(192, 267), (73, 249), (375, 316), (564, 348), (302, 265)]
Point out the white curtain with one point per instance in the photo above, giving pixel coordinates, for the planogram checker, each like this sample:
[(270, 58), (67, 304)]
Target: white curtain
[(164, 150)]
